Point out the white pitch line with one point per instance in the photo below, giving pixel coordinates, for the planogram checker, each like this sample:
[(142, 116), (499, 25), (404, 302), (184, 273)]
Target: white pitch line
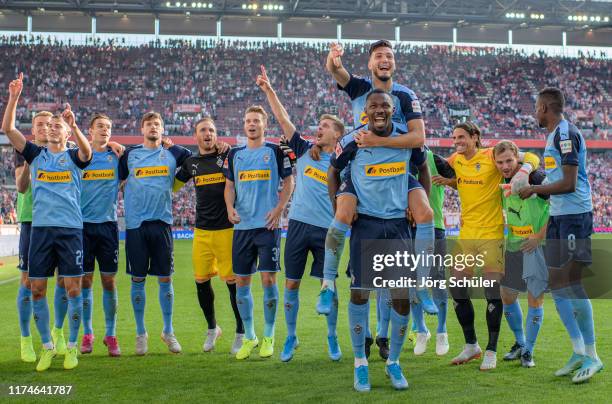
[(9, 280)]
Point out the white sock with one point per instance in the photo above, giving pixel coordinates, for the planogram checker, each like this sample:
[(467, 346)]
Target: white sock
[(390, 362), (361, 362), (591, 352), (578, 345), (328, 284), (472, 347), (71, 345), (48, 345)]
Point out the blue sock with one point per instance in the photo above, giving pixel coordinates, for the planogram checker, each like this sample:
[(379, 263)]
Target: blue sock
[(367, 323), (565, 309), (270, 303), (423, 244), (584, 314), (244, 300), (24, 308), (75, 315), (60, 305), (40, 308), (358, 314), (399, 325), (139, 300), (332, 317), (109, 301), (418, 319), (535, 317), (514, 317), (87, 310), (166, 301), (292, 306), (440, 298), (384, 309), (334, 245)]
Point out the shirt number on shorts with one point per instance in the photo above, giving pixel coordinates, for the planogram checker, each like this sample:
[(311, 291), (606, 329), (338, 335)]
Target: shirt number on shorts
[(79, 257), (571, 242), (275, 254)]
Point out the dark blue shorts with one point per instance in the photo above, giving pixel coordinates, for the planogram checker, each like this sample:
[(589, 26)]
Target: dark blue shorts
[(513, 274), (249, 245), (101, 243), (568, 238), (347, 187), (301, 239), (24, 245), (372, 228), (55, 247), (149, 250)]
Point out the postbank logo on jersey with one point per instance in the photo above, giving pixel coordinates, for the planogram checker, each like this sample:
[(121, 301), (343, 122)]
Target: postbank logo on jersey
[(363, 118), (157, 171), (469, 181), (48, 176), (549, 163), (522, 231), (316, 174), (386, 169), (93, 175), (254, 175), (208, 179)]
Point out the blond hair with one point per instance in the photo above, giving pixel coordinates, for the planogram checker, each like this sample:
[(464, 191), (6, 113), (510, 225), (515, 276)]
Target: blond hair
[(337, 122), (41, 114), (257, 109), (505, 145)]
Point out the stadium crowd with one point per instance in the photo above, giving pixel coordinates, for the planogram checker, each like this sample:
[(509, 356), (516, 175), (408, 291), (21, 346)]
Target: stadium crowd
[(600, 172), (186, 80)]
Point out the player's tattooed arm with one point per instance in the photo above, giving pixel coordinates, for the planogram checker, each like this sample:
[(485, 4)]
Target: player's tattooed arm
[(22, 178), (8, 121), (229, 194), (279, 111), (333, 64), (413, 139), (85, 152), (333, 184)]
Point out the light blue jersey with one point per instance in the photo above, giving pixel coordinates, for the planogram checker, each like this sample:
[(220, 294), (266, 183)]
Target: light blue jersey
[(407, 106), (256, 174), (379, 175), (310, 203), (56, 186), (100, 188), (150, 175), (566, 146)]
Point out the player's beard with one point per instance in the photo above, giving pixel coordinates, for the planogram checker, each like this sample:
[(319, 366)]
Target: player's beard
[(383, 79)]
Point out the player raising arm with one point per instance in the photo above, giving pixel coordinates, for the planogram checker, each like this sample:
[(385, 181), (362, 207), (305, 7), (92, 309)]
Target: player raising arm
[(57, 223), (309, 216)]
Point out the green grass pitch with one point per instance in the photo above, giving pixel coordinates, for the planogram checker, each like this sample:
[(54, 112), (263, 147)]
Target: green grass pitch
[(310, 376)]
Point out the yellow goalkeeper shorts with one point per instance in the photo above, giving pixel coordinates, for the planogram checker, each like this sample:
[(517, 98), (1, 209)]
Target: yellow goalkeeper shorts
[(212, 254)]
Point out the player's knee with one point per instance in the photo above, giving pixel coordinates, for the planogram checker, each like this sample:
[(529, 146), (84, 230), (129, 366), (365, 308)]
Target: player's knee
[(61, 282), (108, 282), (25, 280), (345, 210), (242, 281), (359, 297), (292, 284), (508, 296), (137, 280), (164, 279), (401, 306), (87, 281), (535, 302), (268, 279), (73, 288), (38, 290)]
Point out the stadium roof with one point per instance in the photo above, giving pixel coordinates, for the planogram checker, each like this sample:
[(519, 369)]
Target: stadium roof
[(569, 14)]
